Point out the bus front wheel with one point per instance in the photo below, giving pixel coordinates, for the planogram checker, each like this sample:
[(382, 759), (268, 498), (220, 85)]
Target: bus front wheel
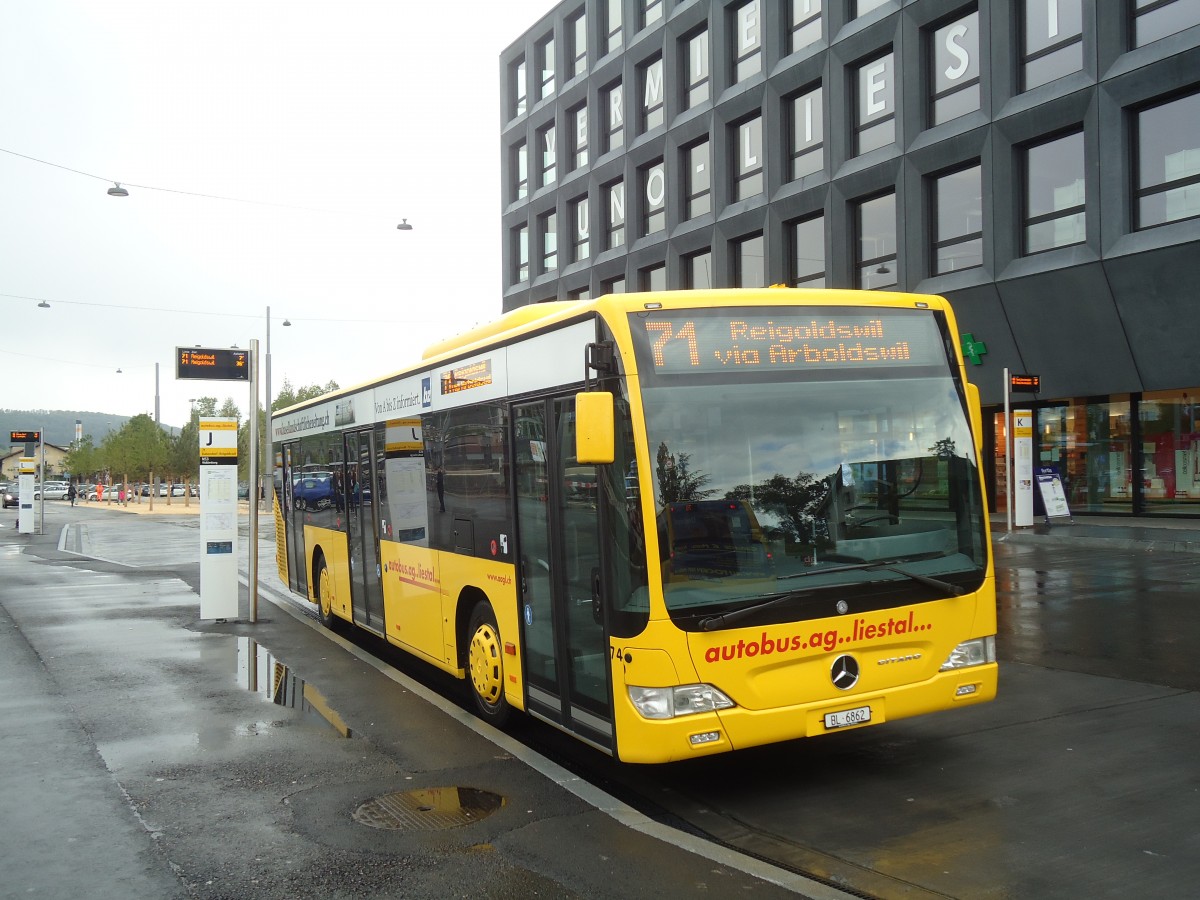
[(324, 582), (485, 665)]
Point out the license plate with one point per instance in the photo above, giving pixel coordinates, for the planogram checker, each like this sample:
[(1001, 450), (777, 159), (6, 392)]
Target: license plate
[(856, 716)]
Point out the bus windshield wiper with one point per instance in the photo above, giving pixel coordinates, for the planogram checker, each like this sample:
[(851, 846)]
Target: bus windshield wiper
[(889, 565), (764, 601)]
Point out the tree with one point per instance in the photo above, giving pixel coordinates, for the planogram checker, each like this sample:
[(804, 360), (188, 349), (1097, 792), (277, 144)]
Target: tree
[(676, 482), (290, 396), (137, 449), (183, 459), (796, 503), (84, 459)]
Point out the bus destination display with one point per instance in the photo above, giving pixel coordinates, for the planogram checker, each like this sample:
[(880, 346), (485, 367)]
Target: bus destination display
[(212, 363), (781, 339)]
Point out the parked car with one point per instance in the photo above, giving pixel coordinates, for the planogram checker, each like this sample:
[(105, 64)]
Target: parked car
[(178, 490), (10, 495), (51, 490)]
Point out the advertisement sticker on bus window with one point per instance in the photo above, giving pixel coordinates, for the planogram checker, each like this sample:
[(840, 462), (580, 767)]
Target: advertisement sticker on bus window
[(746, 340)]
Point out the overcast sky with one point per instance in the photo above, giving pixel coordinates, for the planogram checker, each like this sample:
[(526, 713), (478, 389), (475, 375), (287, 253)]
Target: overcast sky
[(339, 119)]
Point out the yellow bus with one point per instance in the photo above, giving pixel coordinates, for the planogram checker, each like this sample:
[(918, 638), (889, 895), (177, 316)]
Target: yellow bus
[(670, 524)]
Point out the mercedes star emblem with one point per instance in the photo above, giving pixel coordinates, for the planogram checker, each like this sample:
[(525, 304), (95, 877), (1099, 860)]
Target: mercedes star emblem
[(844, 673)]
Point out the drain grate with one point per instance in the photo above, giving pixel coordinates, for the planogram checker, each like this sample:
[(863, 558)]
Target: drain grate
[(429, 809)]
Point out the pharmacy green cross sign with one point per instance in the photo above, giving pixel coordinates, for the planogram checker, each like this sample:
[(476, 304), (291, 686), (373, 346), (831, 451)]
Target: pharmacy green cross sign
[(973, 349)]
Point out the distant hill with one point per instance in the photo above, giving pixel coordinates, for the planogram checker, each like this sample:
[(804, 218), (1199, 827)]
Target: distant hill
[(58, 425)]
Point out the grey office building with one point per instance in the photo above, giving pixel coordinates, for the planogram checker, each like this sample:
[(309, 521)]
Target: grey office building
[(1035, 161)]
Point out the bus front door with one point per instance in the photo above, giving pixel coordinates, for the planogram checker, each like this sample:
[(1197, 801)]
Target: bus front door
[(366, 595), (567, 671)]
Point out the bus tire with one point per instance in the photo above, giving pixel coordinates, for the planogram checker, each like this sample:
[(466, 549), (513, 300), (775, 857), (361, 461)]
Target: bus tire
[(485, 665), (324, 583)]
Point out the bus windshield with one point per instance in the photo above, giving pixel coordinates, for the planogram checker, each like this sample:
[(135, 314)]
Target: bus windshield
[(847, 482)]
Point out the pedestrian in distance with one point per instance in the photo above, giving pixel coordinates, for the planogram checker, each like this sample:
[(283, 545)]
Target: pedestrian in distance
[(71, 493)]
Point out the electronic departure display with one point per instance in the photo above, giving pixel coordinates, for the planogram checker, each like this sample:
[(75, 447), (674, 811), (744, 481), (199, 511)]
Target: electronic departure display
[(25, 437), (790, 339), (466, 378), (212, 363)]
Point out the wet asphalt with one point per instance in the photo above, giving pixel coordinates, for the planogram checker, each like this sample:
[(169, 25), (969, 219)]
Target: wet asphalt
[(140, 765), (153, 755)]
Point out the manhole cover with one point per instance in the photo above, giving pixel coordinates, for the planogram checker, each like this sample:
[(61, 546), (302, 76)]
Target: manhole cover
[(430, 809)]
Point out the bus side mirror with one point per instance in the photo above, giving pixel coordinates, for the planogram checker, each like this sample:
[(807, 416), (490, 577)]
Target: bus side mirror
[(976, 412), (595, 428)]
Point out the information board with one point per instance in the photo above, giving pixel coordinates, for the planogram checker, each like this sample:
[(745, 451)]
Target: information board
[(218, 519), (212, 363), (1054, 498)]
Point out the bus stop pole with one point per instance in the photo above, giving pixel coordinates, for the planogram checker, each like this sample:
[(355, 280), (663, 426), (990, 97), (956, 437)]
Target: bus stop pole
[(252, 494), (1008, 495)]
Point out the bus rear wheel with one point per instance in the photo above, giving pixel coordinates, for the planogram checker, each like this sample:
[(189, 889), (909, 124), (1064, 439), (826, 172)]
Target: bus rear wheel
[(324, 582), (485, 665)]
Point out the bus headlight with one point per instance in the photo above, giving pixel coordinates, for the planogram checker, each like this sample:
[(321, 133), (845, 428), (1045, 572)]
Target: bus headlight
[(975, 652), (670, 702)]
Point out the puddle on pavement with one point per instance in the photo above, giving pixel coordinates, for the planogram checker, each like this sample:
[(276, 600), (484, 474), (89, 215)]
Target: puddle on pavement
[(260, 672)]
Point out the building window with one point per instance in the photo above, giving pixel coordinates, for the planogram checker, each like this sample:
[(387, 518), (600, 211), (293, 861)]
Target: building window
[(750, 269), (653, 278), (650, 78), (808, 252), (613, 286), (1053, 41), (651, 11), (875, 227), (747, 41), (958, 226), (806, 23), (862, 7), (1168, 168), (577, 42), (521, 246), (696, 69), (748, 162), (545, 63), (546, 141), (697, 180), (808, 135), (875, 125), (698, 270), (1155, 19), (519, 91), (654, 198), (548, 226), (520, 165), (579, 137), (614, 117), (955, 54), (579, 294), (1054, 194), (615, 222), (579, 230), (612, 33)]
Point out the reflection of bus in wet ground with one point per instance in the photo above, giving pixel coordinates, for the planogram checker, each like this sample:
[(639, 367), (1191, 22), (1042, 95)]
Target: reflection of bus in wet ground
[(670, 524)]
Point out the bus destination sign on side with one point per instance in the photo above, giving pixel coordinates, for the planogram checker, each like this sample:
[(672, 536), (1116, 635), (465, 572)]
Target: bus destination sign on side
[(212, 363), (747, 340)]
